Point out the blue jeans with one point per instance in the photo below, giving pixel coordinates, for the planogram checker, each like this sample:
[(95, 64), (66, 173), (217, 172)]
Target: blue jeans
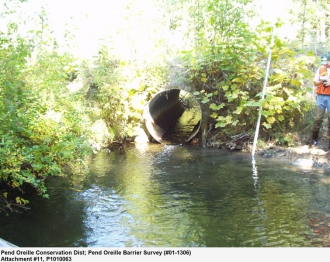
[(322, 104)]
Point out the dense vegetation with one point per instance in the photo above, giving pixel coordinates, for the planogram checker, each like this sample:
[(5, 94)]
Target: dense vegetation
[(56, 108), (228, 72)]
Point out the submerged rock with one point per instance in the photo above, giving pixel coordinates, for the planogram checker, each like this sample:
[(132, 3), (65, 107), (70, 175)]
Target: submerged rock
[(303, 162)]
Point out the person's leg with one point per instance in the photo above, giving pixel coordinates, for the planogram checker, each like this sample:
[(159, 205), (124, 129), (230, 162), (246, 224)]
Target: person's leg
[(319, 114), (328, 129), (328, 114)]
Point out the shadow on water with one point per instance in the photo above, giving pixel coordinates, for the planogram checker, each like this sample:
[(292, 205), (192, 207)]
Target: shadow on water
[(178, 196)]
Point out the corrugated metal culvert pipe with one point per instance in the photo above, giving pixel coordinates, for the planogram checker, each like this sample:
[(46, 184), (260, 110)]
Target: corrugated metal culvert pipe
[(172, 117)]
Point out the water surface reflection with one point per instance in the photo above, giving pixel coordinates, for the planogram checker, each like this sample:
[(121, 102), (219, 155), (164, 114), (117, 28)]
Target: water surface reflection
[(179, 196)]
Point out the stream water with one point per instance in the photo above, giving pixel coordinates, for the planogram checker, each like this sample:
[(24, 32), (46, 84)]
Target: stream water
[(154, 195)]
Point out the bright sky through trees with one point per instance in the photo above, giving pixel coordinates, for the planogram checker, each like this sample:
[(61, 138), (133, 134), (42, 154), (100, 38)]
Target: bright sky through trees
[(89, 21)]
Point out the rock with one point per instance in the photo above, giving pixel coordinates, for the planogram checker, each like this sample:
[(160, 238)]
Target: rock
[(316, 151), (301, 150), (303, 162)]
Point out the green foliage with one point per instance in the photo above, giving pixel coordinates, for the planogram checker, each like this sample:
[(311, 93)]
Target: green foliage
[(44, 124), (311, 18), (118, 91), (42, 127), (228, 71)]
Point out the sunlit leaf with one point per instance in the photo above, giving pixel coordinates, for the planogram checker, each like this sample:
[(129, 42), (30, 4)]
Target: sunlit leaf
[(268, 126), (271, 120), (238, 110), (216, 107), (235, 122), (220, 124), (214, 115), (205, 100)]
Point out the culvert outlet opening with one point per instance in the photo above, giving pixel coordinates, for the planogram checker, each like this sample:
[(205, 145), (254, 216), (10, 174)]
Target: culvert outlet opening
[(172, 117)]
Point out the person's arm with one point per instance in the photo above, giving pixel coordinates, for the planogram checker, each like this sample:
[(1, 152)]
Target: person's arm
[(316, 79), (317, 83)]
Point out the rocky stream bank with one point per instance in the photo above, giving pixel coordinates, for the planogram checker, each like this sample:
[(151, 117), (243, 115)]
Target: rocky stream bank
[(304, 155)]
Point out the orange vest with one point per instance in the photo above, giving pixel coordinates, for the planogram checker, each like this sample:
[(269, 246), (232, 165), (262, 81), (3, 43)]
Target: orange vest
[(321, 89)]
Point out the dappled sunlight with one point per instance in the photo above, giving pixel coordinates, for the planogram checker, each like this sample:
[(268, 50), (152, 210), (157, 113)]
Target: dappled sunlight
[(101, 134), (325, 180), (141, 141), (53, 115), (75, 86)]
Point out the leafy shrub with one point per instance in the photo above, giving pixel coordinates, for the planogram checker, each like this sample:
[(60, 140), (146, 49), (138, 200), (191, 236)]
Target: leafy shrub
[(42, 125), (118, 90), (227, 73)]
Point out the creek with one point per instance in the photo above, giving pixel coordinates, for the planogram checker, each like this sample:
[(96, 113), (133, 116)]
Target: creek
[(155, 195)]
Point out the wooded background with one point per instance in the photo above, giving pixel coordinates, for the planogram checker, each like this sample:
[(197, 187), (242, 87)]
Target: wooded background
[(64, 93)]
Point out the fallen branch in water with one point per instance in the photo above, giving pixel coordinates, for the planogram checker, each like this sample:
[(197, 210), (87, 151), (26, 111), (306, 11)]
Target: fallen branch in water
[(11, 206)]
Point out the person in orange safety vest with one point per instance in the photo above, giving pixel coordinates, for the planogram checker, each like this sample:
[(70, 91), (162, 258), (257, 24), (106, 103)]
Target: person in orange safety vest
[(322, 90)]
